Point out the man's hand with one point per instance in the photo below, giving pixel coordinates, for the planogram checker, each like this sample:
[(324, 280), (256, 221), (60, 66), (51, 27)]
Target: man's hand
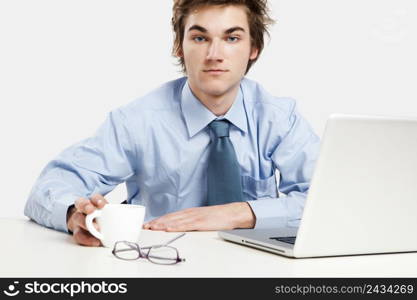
[(216, 217), (76, 219)]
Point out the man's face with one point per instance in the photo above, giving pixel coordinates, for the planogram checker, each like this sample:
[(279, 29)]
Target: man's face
[(217, 48)]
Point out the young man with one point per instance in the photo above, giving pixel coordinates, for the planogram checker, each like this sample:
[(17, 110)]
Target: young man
[(200, 152)]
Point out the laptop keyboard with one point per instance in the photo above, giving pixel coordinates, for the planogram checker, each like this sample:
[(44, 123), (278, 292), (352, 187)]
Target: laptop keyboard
[(286, 239)]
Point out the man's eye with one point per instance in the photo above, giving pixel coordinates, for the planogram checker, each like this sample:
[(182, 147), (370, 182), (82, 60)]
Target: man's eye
[(232, 39), (199, 39)]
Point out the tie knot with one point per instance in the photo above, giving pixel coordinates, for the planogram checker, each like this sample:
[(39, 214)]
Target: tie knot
[(220, 128)]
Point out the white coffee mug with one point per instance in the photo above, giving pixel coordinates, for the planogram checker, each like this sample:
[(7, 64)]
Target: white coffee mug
[(117, 222)]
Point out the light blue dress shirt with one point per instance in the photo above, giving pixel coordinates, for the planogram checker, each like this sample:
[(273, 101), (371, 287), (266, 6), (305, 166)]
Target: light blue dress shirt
[(159, 143)]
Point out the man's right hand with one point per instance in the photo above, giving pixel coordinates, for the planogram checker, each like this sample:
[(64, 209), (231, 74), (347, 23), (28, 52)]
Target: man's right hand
[(76, 219)]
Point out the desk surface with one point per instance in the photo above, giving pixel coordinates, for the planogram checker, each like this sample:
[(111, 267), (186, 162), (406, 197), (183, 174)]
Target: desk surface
[(30, 250)]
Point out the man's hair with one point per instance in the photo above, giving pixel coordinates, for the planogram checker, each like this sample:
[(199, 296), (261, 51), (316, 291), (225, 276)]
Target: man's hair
[(258, 19)]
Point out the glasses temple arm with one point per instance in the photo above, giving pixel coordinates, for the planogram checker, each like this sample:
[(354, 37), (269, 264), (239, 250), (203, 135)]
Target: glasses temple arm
[(174, 239), (167, 243)]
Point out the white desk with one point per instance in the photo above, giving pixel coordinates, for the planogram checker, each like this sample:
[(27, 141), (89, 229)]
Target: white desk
[(30, 250)]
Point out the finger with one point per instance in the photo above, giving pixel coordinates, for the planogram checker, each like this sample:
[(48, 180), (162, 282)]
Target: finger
[(83, 237), (177, 228), (169, 224), (89, 207), (148, 225), (173, 217), (79, 220), (86, 207), (98, 200), (154, 223), (95, 224), (195, 219), (159, 226), (80, 203), (184, 225)]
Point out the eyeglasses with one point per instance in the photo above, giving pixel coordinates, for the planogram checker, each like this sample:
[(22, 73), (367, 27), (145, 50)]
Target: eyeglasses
[(161, 254)]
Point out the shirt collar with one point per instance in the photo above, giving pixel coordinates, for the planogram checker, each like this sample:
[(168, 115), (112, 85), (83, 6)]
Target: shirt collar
[(197, 116)]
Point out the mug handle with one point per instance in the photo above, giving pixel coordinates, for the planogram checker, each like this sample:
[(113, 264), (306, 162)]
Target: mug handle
[(89, 223)]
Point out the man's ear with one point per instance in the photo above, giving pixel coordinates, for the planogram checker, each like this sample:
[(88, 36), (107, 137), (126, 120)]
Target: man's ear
[(254, 53), (179, 53)]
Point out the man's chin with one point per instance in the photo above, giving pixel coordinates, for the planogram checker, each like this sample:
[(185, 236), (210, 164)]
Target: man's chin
[(216, 87), (215, 92)]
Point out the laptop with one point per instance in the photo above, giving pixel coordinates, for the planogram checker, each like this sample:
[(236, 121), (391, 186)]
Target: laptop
[(363, 194)]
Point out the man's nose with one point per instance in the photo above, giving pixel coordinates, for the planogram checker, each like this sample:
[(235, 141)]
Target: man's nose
[(214, 51)]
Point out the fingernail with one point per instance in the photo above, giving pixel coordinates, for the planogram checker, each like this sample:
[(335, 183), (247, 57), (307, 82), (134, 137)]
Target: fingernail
[(99, 202)]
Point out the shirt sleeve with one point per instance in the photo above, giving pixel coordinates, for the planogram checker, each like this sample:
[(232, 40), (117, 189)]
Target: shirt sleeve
[(295, 158), (95, 165)]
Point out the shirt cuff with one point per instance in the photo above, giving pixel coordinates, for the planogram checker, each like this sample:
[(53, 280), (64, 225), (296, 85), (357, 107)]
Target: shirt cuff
[(269, 212), (59, 212)]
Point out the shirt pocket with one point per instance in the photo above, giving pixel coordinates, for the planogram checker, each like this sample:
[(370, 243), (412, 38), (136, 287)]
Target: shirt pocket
[(259, 188)]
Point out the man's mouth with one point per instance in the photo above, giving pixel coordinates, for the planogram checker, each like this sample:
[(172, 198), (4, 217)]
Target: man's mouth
[(215, 71)]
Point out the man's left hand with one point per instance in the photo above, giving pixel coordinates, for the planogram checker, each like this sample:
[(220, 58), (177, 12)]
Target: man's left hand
[(216, 217)]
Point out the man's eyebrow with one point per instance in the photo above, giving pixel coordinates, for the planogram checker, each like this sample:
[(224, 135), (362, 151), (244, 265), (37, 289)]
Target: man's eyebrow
[(198, 27), (227, 31), (233, 29)]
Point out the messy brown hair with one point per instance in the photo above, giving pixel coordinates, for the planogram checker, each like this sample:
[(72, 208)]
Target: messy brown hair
[(258, 18)]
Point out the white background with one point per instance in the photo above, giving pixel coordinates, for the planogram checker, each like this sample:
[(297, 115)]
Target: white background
[(65, 64)]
